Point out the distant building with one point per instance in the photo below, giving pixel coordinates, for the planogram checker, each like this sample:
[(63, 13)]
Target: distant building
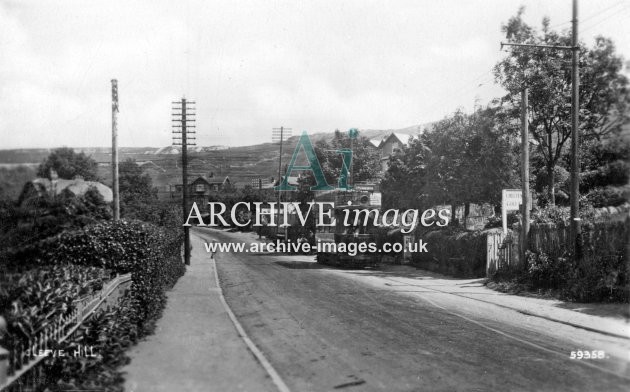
[(291, 181), (200, 189), (261, 182), (389, 146), (41, 187)]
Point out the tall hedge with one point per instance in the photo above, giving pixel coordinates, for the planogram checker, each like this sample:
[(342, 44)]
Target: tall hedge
[(455, 254), (151, 253)]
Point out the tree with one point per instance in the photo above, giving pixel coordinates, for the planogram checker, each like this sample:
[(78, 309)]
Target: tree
[(405, 180), (472, 159), (365, 159), (138, 197), (463, 159), (604, 94), (68, 164)]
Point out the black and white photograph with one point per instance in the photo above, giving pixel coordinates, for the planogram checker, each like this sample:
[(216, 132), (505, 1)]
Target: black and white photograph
[(314, 195)]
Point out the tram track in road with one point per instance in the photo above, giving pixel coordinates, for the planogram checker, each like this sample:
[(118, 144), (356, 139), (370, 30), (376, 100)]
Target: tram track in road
[(322, 328)]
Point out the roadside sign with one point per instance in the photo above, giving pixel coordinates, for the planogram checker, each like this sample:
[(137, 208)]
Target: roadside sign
[(375, 199), (511, 200)]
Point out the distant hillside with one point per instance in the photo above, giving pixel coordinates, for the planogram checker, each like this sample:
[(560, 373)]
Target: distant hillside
[(163, 164)]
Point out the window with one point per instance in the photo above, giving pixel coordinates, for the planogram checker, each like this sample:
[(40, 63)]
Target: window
[(199, 188)]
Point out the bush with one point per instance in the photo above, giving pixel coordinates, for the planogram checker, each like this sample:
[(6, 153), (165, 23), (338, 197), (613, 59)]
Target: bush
[(151, 253), (459, 254), (609, 196), (546, 272), (560, 214), (603, 279), (24, 227), (31, 300), (110, 333)]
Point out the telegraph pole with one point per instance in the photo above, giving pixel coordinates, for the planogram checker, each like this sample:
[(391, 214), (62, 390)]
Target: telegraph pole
[(353, 133), (278, 134), (115, 149), (525, 176), (576, 227), (183, 113)]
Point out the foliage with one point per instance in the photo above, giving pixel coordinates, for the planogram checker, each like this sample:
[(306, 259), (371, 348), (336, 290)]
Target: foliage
[(547, 272), (12, 181), (137, 194), (454, 254), (605, 279), (109, 334), (406, 177), (602, 274), (68, 164), (471, 159), (604, 94), (561, 177), (609, 196), (463, 159), (365, 159), (150, 253), (23, 227), (29, 301), (560, 214)]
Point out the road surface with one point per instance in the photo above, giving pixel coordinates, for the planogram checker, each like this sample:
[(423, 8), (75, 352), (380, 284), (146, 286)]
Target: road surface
[(328, 329)]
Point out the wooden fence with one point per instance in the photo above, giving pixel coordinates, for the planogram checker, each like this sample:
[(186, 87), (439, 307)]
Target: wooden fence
[(19, 370), (500, 250), (606, 237)]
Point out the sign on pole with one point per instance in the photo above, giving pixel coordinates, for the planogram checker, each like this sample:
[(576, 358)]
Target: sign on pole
[(511, 200)]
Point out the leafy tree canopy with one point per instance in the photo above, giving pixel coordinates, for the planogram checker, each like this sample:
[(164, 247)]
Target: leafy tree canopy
[(68, 164), (463, 159), (604, 94), (365, 159)]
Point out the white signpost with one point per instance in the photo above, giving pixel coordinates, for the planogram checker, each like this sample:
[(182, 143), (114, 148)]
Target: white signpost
[(511, 200)]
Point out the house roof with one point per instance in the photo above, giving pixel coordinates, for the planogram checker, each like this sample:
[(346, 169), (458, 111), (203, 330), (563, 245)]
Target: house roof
[(376, 142), (212, 180), (402, 137), (77, 186)]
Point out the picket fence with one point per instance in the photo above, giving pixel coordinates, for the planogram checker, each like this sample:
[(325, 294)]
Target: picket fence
[(19, 370), (604, 237), (500, 251)]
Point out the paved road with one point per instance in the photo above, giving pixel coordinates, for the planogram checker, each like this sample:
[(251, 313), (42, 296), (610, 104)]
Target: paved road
[(329, 329)]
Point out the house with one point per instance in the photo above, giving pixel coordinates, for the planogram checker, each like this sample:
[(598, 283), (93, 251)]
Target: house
[(261, 182), (40, 187), (390, 146), (200, 189), (291, 181)]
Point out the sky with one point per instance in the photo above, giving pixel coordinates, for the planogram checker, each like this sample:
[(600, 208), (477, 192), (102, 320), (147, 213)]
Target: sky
[(251, 66)]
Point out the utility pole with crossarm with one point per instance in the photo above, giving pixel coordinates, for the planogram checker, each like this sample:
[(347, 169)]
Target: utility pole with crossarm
[(184, 136), (576, 228)]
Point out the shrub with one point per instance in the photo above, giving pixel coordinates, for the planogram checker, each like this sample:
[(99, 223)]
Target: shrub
[(456, 254), (31, 300), (24, 227), (546, 272), (109, 333), (601, 279), (606, 197), (151, 253)]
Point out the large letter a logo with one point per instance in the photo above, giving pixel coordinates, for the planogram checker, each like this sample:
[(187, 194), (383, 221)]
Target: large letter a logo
[(313, 165)]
